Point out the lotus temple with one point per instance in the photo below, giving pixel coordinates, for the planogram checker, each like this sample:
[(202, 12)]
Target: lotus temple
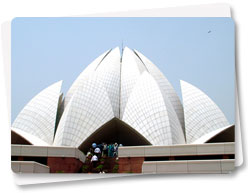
[(122, 97)]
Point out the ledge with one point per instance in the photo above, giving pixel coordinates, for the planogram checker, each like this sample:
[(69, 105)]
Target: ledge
[(177, 150), (188, 166), (28, 167), (47, 151)]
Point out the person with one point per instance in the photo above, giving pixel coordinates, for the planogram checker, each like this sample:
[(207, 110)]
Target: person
[(116, 149), (110, 150), (97, 152), (94, 160), (94, 145), (105, 149), (100, 146), (89, 154)]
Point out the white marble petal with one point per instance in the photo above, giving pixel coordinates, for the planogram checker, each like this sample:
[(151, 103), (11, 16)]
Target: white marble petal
[(84, 76), (39, 115), (201, 114), (88, 109), (152, 116), (165, 86)]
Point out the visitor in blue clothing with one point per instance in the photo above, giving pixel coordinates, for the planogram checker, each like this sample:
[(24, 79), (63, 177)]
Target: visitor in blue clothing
[(104, 149), (110, 150)]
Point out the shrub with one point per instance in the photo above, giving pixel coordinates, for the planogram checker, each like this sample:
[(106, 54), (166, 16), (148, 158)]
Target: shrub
[(115, 169), (99, 167), (60, 171), (128, 172), (85, 168)]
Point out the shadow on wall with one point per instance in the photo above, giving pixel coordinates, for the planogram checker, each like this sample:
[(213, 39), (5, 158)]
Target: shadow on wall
[(115, 131)]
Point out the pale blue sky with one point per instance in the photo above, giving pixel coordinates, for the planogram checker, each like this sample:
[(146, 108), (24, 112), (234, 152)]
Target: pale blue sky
[(46, 50)]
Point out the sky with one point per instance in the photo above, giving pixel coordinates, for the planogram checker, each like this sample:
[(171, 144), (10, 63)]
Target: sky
[(200, 51)]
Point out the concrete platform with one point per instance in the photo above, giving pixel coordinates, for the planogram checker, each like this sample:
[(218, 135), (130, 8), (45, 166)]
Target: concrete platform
[(47, 151), (177, 150), (188, 166), (29, 167)]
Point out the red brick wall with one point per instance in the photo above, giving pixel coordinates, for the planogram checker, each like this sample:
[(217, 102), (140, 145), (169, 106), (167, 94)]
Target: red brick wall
[(64, 165), (130, 165)]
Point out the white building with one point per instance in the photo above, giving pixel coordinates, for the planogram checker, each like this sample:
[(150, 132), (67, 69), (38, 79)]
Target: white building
[(120, 98)]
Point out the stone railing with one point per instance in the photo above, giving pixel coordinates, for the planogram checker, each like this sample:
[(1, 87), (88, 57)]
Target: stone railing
[(47, 151), (177, 150)]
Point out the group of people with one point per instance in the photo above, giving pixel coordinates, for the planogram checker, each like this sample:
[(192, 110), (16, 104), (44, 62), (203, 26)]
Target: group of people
[(103, 149)]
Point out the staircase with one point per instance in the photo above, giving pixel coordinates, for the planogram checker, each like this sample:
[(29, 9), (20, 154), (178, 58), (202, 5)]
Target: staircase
[(105, 164)]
